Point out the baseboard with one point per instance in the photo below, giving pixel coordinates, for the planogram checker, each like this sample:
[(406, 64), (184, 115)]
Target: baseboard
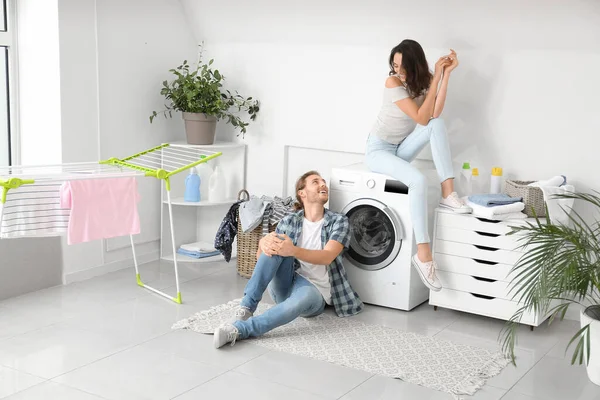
[(78, 276)]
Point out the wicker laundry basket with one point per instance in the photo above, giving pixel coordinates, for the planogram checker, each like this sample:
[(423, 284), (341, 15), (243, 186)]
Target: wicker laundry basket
[(533, 197), (247, 244)]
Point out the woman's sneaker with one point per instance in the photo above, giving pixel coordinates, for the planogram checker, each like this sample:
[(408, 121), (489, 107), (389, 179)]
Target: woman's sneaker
[(455, 203), (427, 274)]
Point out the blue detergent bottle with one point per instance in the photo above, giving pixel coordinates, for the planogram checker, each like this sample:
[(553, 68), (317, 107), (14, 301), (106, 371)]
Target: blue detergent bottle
[(192, 186)]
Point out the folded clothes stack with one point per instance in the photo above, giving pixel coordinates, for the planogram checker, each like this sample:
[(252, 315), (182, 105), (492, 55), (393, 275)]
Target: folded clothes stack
[(197, 250), (496, 206)]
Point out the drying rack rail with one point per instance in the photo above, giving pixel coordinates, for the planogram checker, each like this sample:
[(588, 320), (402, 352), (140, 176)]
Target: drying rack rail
[(161, 162)]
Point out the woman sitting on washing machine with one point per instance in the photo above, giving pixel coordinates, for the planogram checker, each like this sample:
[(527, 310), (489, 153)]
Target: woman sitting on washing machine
[(409, 119)]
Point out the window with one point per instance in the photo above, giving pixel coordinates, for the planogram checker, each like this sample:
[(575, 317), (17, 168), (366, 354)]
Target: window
[(7, 55)]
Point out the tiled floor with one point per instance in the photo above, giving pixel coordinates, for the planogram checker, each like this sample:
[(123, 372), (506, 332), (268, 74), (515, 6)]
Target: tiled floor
[(106, 338)]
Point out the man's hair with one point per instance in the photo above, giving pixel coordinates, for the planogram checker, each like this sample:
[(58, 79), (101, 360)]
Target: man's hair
[(301, 184)]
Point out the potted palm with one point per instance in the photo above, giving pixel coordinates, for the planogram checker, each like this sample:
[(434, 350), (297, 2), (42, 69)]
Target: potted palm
[(198, 93), (561, 267)]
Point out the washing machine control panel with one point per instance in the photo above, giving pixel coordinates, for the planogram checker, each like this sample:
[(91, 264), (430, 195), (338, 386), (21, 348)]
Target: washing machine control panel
[(371, 183)]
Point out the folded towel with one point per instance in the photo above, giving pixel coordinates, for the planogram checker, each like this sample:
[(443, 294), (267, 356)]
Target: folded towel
[(505, 217), (558, 180), (494, 199), (194, 254), (558, 209), (199, 247), (496, 211)]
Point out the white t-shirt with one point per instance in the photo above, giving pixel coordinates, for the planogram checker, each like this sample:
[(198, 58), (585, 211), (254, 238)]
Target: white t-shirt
[(318, 275)]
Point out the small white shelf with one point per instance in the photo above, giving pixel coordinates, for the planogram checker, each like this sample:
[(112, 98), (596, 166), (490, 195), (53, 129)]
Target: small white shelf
[(179, 201), (186, 259)]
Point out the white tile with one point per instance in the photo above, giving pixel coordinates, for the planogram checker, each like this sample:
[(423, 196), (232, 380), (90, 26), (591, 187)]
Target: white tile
[(568, 330), (52, 391), (19, 319), (136, 320), (214, 289), (512, 395), (13, 381), (233, 385), (555, 379), (140, 373), (316, 377), (384, 388), (198, 347), (422, 320), (57, 349)]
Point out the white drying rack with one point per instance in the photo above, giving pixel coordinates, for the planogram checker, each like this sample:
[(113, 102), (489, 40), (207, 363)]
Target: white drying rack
[(160, 162)]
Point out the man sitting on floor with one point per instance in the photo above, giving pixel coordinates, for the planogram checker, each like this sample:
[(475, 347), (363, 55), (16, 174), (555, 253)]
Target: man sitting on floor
[(301, 262)]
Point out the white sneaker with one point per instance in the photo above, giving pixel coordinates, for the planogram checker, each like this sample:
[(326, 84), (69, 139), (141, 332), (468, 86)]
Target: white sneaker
[(427, 274), (224, 334), (455, 203), (243, 314)]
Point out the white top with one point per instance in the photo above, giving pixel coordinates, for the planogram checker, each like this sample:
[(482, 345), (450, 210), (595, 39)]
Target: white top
[(392, 124), (318, 275)]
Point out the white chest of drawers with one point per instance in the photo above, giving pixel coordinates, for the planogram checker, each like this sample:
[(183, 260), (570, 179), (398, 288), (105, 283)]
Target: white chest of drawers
[(475, 257)]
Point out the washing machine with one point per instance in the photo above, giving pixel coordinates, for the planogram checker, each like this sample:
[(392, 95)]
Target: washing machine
[(378, 261)]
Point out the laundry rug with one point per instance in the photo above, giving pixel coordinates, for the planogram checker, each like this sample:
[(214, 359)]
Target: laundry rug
[(437, 364)]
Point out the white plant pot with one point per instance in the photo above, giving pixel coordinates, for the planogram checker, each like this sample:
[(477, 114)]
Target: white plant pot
[(593, 368)]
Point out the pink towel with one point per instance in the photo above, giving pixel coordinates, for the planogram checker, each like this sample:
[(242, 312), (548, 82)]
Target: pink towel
[(101, 208)]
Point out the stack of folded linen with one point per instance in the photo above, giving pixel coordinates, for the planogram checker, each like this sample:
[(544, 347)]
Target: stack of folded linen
[(496, 206), (197, 250)]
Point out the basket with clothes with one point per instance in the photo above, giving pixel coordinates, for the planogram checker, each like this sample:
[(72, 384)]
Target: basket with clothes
[(250, 218)]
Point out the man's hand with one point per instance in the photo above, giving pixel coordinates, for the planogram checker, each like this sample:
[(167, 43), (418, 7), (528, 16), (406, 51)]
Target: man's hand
[(270, 244), (286, 247)]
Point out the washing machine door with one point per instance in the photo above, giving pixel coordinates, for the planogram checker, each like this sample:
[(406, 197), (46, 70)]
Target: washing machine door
[(377, 234)]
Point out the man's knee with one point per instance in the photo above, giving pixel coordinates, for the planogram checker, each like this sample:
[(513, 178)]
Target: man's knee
[(418, 181)]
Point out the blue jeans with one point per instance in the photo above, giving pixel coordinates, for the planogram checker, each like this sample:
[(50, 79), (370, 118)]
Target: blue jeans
[(395, 160), (294, 295)]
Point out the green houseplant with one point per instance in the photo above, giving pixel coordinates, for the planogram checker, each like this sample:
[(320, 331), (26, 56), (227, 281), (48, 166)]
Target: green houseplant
[(198, 93), (561, 267)]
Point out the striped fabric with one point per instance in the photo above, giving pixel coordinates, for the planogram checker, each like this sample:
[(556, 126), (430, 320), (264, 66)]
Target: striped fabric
[(33, 210), (275, 211)]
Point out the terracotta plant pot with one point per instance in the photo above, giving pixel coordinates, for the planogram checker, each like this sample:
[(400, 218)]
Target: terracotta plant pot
[(200, 128)]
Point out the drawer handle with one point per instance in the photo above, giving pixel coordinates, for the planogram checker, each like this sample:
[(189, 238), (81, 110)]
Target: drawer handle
[(484, 279), (487, 234), (484, 261), (480, 247), (490, 221), (481, 296)]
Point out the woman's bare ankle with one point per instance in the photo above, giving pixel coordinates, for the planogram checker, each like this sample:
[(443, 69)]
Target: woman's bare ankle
[(424, 252)]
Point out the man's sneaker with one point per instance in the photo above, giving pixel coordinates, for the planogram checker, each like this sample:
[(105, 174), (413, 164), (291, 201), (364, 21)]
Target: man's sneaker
[(224, 334), (455, 203), (427, 274), (243, 313)]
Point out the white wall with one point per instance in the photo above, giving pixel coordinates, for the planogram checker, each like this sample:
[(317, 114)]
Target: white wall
[(526, 86), (113, 57)]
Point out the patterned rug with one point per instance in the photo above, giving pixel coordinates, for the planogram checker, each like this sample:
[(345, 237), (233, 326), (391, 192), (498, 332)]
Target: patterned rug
[(422, 360)]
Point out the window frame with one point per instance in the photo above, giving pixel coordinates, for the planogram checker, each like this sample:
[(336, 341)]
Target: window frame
[(9, 39)]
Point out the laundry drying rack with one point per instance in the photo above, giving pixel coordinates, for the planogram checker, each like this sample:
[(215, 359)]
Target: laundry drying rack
[(161, 162)]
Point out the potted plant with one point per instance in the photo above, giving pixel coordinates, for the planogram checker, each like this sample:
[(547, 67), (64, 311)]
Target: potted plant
[(561, 263), (198, 93)]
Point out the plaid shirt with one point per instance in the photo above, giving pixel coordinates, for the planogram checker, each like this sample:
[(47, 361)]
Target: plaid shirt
[(335, 227)]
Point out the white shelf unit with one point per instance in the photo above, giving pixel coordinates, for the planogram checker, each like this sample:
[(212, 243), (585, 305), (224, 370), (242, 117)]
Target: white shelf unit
[(199, 221)]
